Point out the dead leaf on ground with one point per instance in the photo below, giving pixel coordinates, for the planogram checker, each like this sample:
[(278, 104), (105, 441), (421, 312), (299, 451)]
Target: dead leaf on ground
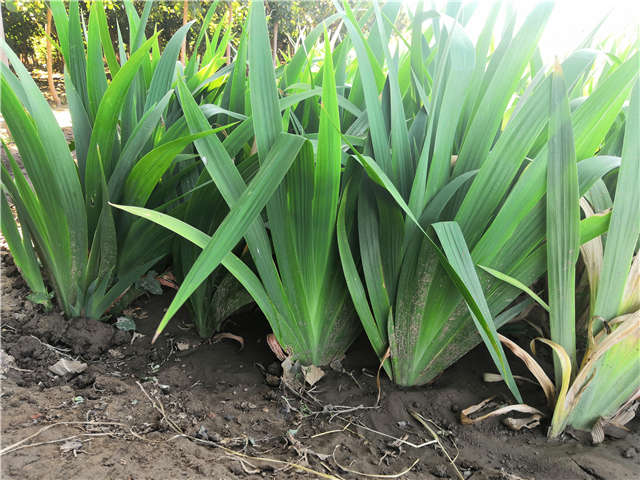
[(290, 370), (465, 415), (312, 374), (518, 424), (63, 367), (230, 336)]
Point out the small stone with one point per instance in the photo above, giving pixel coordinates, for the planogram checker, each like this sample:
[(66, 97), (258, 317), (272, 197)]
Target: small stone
[(629, 452), (245, 406), (202, 433)]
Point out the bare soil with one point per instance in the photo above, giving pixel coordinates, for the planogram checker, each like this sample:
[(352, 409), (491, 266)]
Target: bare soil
[(183, 408)]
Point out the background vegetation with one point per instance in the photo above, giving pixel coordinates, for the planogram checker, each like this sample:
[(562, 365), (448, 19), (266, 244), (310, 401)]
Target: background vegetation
[(24, 22)]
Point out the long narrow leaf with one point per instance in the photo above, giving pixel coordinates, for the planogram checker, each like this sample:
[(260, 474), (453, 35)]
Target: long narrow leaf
[(459, 257), (242, 215), (563, 223)]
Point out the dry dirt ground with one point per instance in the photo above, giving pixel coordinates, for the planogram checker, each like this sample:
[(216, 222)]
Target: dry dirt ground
[(185, 409)]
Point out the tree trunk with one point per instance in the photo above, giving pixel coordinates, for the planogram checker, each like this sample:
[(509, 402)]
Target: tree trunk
[(52, 87), (275, 43), (183, 51)]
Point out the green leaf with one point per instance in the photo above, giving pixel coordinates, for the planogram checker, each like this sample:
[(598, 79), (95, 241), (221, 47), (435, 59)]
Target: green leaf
[(446, 108), (61, 20), (243, 213), (126, 324), (201, 239), (377, 334), (264, 96), (164, 71), (456, 265), (458, 255), (191, 64), (76, 61), (150, 283), (488, 116), (326, 175), (55, 169), (104, 133), (105, 37), (96, 77), (505, 159), (148, 171), (516, 283), (624, 229), (594, 226), (563, 223), (136, 143), (59, 232), (81, 124), (378, 131), (591, 121), (22, 251), (401, 162)]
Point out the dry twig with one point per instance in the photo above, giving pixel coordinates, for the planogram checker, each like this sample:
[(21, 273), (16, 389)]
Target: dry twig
[(19, 445), (372, 475), (435, 436)]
